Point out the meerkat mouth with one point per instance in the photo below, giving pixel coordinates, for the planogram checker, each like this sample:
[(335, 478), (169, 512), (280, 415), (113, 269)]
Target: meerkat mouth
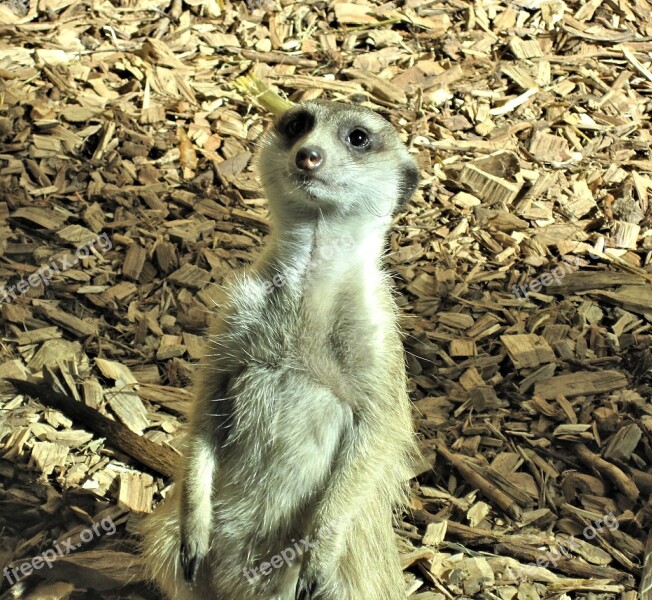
[(315, 187), (308, 179)]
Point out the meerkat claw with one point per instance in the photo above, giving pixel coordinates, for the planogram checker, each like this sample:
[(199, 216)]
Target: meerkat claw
[(190, 564), (306, 590)]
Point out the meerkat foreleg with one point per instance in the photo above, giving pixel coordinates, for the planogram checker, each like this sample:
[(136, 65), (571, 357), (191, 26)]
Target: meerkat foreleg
[(207, 429), (195, 510)]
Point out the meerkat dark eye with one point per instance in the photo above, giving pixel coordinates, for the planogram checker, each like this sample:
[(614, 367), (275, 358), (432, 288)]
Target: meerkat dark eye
[(358, 138)]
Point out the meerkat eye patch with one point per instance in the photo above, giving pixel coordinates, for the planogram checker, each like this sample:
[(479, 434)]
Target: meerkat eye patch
[(295, 124)]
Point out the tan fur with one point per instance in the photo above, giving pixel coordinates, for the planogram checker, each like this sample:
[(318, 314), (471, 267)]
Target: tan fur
[(301, 431)]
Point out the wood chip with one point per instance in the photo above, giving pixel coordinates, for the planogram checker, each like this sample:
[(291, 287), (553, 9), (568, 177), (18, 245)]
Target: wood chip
[(580, 384)]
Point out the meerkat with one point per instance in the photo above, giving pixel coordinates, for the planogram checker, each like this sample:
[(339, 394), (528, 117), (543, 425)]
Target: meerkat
[(300, 440)]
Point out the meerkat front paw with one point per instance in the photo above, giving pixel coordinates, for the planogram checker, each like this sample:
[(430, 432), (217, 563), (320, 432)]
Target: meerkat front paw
[(191, 554), (306, 588), (313, 576), (322, 562)]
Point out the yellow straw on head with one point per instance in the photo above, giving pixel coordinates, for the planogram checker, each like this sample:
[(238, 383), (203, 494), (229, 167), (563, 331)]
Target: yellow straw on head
[(254, 88)]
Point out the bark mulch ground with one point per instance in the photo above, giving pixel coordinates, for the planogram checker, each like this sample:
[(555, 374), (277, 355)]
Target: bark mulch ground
[(523, 269)]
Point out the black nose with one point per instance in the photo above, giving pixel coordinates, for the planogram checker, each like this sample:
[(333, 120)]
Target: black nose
[(309, 159)]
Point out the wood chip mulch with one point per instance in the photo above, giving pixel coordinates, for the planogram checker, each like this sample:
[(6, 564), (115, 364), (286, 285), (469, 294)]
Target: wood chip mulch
[(523, 269)]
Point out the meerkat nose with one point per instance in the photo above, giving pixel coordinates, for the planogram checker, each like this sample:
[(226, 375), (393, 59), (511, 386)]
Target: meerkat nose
[(309, 159)]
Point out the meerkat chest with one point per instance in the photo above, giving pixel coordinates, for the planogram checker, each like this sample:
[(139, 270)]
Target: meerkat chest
[(343, 331), (330, 325)]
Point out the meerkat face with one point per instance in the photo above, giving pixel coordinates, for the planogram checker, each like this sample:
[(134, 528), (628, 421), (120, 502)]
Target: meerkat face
[(329, 156)]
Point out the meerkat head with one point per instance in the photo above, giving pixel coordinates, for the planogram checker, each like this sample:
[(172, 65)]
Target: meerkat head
[(330, 157)]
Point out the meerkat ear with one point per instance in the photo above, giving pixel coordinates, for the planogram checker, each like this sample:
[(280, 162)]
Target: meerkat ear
[(408, 183)]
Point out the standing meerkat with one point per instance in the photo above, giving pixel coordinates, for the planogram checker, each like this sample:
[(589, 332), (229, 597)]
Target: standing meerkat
[(300, 440)]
